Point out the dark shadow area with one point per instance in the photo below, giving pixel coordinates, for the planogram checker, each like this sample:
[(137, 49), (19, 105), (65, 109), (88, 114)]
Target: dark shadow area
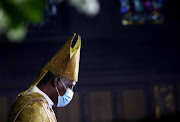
[(168, 118)]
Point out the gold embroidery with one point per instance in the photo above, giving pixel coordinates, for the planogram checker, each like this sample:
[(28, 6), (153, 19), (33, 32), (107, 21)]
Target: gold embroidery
[(35, 110)]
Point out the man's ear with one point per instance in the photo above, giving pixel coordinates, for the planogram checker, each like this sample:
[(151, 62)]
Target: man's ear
[(55, 82)]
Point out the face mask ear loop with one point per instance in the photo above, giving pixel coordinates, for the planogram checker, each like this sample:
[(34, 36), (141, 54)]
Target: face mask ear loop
[(63, 84), (57, 91)]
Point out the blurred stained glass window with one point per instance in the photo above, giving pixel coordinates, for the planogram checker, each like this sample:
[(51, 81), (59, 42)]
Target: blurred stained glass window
[(135, 12)]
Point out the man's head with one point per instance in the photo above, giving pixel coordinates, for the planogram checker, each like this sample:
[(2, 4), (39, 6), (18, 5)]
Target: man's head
[(50, 83), (60, 74)]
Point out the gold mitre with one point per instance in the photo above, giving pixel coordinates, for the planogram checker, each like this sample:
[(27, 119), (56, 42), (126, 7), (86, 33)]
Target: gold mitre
[(64, 63)]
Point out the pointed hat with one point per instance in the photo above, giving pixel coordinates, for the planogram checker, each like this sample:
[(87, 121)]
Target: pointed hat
[(64, 63)]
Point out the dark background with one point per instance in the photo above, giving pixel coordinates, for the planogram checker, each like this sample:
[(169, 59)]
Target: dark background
[(112, 55)]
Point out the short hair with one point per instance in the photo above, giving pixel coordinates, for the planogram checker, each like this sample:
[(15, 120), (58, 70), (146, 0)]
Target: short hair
[(48, 77)]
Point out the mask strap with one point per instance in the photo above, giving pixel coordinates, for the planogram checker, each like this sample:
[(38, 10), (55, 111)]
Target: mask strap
[(63, 84), (57, 91)]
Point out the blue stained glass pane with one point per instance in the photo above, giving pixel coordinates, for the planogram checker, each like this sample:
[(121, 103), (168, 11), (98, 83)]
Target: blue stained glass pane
[(124, 10)]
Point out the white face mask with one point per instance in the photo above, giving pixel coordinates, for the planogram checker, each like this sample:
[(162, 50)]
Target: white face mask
[(66, 98)]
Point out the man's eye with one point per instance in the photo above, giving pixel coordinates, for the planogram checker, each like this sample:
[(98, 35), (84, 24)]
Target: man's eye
[(70, 87)]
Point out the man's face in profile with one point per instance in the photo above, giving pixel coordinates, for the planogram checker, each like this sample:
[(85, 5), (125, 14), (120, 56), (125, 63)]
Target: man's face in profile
[(66, 84)]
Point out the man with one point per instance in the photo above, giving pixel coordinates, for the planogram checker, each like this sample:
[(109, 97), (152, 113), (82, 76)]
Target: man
[(53, 87)]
